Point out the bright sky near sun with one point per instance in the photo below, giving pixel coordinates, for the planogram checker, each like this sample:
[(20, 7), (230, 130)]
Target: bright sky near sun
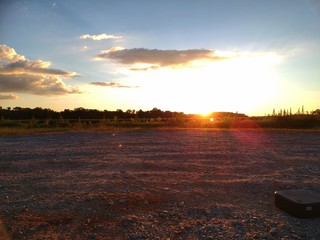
[(195, 56)]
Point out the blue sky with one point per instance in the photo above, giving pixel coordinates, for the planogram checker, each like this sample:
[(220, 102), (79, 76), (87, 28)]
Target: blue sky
[(191, 56)]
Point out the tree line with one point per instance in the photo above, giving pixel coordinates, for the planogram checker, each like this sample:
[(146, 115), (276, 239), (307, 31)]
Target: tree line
[(288, 112), (19, 113)]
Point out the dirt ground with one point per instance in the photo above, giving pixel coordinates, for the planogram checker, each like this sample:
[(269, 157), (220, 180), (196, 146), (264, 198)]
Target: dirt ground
[(156, 184)]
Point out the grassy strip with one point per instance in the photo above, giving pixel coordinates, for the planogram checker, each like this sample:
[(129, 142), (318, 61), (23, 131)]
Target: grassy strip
[(37, 131), (293, 124)]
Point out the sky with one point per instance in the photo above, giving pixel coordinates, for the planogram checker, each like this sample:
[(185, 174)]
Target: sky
[(193, 56)]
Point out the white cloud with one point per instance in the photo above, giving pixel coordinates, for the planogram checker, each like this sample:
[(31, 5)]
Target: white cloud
[(9, 55), (100, 37), (18, 74)]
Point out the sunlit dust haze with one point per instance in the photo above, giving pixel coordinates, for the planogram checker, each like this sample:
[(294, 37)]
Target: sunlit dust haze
[(191, 56)]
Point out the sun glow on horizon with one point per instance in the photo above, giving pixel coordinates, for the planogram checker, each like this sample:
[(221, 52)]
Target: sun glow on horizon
[(240, 83)]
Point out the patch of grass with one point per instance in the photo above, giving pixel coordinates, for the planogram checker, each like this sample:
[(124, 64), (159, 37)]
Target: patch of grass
[(23, 127)]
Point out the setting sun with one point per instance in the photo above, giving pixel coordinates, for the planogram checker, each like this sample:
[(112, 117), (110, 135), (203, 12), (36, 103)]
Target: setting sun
[(239, 82)]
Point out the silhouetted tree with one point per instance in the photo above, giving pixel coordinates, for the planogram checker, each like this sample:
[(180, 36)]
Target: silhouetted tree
[(316, 112)]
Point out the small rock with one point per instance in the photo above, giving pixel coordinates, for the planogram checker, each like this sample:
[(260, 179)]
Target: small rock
[(255, 235), (110, 202), (121, 200), (245, 221), (163, 214), (92, 236), (208, 211), (44, 225), (274, 231), (209, 226)]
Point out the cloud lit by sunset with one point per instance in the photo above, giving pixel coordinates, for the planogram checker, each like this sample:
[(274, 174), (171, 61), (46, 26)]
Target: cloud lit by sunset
[(19, 74)]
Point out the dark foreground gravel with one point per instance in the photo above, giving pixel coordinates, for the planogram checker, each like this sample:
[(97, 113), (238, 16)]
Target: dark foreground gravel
[(192, 184)]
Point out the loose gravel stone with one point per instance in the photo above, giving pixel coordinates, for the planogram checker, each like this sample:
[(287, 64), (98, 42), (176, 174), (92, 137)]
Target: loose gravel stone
[(161, 185)]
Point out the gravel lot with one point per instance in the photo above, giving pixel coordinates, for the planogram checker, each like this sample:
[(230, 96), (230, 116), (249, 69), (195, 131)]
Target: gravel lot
[(156, 184)]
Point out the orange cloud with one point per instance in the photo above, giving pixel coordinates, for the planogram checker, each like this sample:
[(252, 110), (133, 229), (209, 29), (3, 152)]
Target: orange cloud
[(33, 67), (112, 85), (158, 58), (8, 97)]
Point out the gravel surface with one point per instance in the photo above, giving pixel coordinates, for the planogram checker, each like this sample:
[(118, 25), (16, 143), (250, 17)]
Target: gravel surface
[(156, 184)]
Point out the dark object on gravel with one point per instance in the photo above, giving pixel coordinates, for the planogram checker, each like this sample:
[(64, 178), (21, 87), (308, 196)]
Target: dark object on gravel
[(298, 202)]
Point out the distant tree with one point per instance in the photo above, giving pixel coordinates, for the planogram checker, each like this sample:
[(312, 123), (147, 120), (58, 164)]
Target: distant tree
[(316, 112), (140, 114), (129, 111), (280, 112), (155, 112)]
